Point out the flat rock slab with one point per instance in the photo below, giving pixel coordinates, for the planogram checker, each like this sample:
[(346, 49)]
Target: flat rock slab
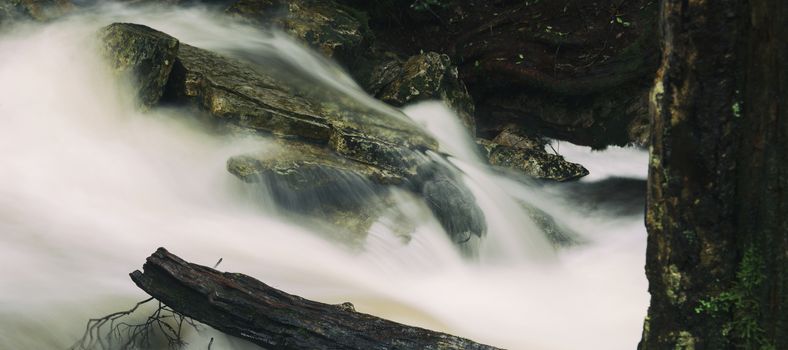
[(245, 94)]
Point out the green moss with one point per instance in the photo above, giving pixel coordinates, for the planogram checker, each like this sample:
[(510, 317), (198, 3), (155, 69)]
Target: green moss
[(685, 341), (741, 301)]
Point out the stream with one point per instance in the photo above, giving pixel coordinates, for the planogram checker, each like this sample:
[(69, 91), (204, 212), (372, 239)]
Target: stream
[(90, 186)]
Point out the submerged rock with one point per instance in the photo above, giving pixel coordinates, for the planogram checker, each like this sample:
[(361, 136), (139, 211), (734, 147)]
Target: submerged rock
[(532, 161), (336, 31), (145, 55), (428, 76), (451, 202), (304, 166), (557, 234), (309, 180)]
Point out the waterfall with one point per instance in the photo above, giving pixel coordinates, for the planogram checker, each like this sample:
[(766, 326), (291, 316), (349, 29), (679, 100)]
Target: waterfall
[(90, 186)]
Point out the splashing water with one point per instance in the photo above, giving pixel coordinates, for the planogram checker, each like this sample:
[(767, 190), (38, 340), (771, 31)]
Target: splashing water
[(90, 187)]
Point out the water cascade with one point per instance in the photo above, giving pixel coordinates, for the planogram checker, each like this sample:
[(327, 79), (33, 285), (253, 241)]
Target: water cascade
[(91, 185)]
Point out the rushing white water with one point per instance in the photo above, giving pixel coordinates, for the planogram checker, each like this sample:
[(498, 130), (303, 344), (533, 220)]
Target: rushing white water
[(90, 186)]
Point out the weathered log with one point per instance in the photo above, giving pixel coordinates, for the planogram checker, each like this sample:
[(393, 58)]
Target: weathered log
[(244, 307)]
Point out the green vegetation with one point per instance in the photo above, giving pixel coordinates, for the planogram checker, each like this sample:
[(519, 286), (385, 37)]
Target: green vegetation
[(741, 301)]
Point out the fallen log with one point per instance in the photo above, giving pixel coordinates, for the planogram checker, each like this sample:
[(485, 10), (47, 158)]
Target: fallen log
[(244, 307)]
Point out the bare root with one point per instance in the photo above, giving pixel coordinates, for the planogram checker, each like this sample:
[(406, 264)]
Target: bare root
[(118, 331)]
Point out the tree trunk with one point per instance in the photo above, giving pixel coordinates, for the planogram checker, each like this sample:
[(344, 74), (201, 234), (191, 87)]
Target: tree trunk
[(244, 307), (717, 212)]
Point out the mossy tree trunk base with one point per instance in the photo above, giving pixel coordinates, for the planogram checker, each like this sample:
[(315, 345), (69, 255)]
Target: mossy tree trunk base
[(717, 212)]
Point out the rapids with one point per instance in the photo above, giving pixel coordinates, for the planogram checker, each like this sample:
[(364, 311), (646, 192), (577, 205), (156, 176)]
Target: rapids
[(90, 186)]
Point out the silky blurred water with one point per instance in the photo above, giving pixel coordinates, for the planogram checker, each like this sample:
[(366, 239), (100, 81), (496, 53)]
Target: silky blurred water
[(90, 186)]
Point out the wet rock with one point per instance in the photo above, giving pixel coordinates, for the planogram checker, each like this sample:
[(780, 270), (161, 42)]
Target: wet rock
[(268, 98), (427, 76), (143, 54), (451, 202), (232, 91), (557, 234), (311, 181), (385, 68), (335, 30), (304, 166), (262, 98), (511, 137), (39, 10), (534, 162)]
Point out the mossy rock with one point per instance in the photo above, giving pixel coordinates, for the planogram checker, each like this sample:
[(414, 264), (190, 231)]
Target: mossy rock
[(335, 30), (533, 162), (427, 76), (145, 55)]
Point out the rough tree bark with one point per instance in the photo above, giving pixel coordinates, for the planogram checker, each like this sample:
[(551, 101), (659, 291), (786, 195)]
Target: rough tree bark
[(244, 307), (717, 212)]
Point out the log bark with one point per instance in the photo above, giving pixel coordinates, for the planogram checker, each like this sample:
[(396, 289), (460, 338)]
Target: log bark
[(244, 307), (717, 219)]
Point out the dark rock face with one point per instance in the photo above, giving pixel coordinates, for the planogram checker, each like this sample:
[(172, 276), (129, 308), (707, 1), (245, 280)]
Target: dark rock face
[(334, 30), (144, 54), (422, 77), (572, 70), (528, 156), (615, 117)]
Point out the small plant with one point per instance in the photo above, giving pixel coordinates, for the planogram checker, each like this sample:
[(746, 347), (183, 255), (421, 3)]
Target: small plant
[(620, 20)]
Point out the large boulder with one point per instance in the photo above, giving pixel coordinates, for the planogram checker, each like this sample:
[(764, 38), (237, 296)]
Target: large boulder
[(342, 149), (144, 55), (262, 98), (254, 97), (335, 30), (427, 76)]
